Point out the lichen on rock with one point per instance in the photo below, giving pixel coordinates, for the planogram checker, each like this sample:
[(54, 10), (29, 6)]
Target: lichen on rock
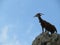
[(47, 39)]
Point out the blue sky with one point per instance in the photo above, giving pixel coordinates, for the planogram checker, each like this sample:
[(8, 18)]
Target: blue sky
[(17, 24)]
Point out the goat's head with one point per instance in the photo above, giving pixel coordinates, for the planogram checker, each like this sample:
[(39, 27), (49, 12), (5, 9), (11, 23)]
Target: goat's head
[(38, 15)]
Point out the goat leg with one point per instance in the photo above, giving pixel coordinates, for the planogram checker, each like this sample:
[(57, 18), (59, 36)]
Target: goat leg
[(42, 30)]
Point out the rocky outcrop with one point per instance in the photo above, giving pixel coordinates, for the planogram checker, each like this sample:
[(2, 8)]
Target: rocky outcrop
[(47, 39)]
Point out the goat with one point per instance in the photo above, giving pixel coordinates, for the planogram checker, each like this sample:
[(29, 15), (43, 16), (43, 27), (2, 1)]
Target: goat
[(45, 25)]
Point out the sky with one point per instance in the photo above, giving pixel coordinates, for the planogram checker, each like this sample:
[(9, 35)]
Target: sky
[(17, 24)]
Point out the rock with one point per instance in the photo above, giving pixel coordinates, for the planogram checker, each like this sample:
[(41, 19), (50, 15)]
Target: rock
[(47, 39)]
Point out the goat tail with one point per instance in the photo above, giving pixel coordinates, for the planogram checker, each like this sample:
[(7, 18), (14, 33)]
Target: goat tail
[(56, 31)]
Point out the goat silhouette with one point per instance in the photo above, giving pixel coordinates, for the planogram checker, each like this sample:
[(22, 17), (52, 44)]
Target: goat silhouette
[(45, 25)]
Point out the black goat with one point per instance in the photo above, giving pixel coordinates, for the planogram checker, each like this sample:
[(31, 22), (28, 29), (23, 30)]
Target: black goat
[(45, 25)]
